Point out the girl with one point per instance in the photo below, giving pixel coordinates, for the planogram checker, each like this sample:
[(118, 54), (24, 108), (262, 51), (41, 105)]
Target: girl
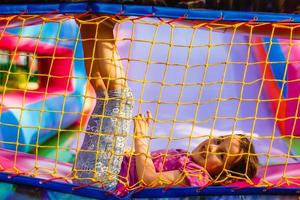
[(222, 159), (100, 158)]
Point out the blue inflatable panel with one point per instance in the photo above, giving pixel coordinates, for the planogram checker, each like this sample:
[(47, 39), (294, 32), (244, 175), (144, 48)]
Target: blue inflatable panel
[(141, 10), (9, 122), (211, 190), (60, 187), (31, 127), (259, 16), (14, 191), (94, 192), (278, 63)]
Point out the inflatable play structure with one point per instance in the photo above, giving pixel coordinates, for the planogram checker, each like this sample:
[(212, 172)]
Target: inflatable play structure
[(231, 73), (277, 72), (52, 89)]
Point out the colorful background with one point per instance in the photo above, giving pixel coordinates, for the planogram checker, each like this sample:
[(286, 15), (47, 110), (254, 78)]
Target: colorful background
[(210, 118)]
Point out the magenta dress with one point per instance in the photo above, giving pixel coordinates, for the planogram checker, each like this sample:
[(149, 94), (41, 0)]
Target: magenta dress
[(175, 159)]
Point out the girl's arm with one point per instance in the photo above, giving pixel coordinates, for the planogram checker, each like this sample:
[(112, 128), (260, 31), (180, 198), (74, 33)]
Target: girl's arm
[(144, 166)]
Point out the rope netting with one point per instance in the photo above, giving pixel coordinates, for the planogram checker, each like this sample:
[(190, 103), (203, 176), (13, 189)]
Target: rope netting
[(75, 89)]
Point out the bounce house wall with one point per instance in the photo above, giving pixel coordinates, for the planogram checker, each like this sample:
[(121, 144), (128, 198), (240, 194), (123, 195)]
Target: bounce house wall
[(293, 125), (269, 84), (58, 74), (55, 67), (282, 90), (23, 128)]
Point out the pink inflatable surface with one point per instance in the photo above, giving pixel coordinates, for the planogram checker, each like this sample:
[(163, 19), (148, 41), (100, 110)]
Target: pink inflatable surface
[(281, 175), (29, 164), (43, 168)]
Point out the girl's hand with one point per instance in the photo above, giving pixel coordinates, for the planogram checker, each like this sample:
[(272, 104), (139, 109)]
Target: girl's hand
[(141, 124)]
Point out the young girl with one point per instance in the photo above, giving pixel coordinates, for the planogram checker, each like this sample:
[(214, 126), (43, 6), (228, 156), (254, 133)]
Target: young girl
[(100, 159), (221, 159)]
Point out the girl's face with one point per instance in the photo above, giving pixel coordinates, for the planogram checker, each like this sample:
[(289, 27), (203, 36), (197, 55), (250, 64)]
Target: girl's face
[(215, 153)]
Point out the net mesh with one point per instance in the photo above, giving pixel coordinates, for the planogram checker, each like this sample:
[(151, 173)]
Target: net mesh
[(200, 80)]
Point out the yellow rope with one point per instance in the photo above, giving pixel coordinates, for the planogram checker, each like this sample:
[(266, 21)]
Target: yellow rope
[(148, 62)]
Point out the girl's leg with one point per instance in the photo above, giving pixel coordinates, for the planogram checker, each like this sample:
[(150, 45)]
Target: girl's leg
[(102, 61), (106, 145), (117, 109), (84, 166)]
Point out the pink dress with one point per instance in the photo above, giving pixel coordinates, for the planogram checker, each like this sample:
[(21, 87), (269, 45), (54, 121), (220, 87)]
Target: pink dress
[(173, 159)]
